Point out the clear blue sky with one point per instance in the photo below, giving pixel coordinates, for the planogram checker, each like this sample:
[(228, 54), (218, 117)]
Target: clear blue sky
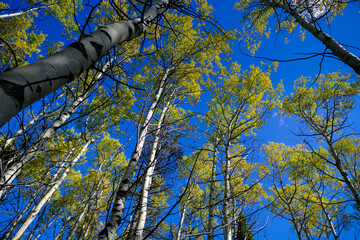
[(346, 29)]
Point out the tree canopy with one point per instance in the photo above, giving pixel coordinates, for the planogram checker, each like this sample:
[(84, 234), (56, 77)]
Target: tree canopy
[(179, 119)]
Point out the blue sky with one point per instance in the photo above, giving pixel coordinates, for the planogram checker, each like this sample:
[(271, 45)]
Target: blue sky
[(278, 128), (346, 29)]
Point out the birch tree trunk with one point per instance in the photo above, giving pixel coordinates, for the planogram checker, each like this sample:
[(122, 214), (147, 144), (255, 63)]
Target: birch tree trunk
[(22, 86), (86, 207), (19, 13), (227, 222), (14, 169), (13, 138), (109, 231), (340, 166), (328, 218), (62, 229), (182, 218), (148, 177), (16, 221), (212, 196), (49, 192), (338, 50)]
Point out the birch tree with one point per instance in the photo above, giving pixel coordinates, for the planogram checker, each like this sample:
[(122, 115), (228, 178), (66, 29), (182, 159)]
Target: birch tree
[(240, 105), (290, 14), (22, 86), (323, 111), (14, 167), (303, 193)]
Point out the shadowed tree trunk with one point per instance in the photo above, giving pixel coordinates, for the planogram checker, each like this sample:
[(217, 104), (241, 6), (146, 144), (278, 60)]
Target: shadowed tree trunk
[(22, 86), (14, 168)]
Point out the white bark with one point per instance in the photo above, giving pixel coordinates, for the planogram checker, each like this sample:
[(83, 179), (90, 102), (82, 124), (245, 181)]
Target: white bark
[(62, 229), (148, 177), (109, 231), (85, 210), (19, 13), (338, 50), (22, 86), (14, 169), (49, 192), (11, 139), (182, 218), (16, 221), (226, 214), (212, 196), (328, 218)]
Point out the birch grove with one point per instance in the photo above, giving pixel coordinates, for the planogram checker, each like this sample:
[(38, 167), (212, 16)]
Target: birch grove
[(22, 86), (174, 119)]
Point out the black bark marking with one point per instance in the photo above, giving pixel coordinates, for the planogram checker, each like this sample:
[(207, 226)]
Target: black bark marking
[(138, 29), (107, 34), (71, 77), (14, 90), (104, 232), (98, 48), (130, 32), (38, 89), (125, 181), (357, 69), (81, 47)]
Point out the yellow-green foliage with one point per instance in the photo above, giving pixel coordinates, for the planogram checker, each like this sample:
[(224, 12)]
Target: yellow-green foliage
[(21, 39), (302, 185), (259, 17), (322, 106)]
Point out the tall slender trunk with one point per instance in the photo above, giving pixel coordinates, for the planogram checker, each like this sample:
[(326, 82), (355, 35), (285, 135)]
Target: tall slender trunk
[(15, 168), (85, 210), (212, 195), (19, 13), (148, 177), (22, 86), (323, 208), (62, 229), (182, 217), (15, 222), (133, 222), (340, 166), (227, 222), (295, 221), (328, 219), (338, 50), (109, 231), (21, 130), (49, 192)]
